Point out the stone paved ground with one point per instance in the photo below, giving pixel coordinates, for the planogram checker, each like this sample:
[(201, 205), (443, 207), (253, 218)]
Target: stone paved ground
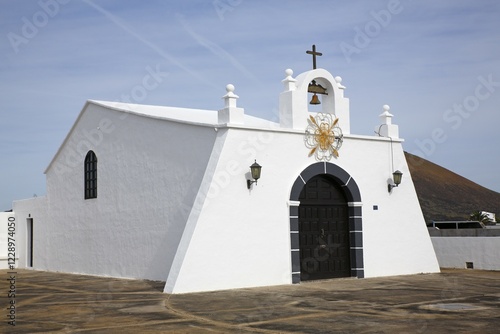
[(455, 301)]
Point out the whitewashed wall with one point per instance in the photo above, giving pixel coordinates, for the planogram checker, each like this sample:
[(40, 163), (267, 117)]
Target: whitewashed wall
[(454, 252), (36, 209), (151, 185), (149, 172), (241, 237)]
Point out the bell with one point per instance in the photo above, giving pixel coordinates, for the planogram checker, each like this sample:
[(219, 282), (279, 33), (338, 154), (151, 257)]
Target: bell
[(315, 99)]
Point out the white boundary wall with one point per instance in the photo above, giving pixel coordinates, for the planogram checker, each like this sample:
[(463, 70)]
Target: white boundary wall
[(454, 252)]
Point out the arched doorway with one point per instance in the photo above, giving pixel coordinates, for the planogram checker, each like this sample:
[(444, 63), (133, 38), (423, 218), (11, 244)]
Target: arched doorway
[(323, 230), (342, 182)]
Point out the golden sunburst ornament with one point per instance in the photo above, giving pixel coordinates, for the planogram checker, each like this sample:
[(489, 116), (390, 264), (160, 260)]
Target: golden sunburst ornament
[(323, 136)]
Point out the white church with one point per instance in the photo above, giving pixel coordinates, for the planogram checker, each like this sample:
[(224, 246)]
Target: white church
[(209, 200)]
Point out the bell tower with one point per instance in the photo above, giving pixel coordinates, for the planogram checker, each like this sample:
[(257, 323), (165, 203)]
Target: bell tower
[(310, 92)]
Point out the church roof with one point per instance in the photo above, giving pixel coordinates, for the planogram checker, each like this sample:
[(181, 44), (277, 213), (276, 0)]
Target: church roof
[(198, 117), (183, 115)]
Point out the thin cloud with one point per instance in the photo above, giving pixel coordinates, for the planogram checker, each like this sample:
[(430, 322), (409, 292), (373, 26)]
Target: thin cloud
[(151, 45), (214, 48)]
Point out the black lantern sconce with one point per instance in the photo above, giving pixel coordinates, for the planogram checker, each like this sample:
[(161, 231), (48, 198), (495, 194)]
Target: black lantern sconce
[(255, 171), (396, 176)]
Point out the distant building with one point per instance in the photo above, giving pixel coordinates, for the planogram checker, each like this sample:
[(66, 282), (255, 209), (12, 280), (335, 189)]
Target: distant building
[(161, 193), (490, 215)]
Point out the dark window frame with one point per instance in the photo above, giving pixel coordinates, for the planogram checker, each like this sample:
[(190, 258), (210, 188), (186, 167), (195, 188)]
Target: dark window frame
[(90, 175)]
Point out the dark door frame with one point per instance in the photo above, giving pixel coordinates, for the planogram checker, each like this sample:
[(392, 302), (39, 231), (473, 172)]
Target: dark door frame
[(353, 197)]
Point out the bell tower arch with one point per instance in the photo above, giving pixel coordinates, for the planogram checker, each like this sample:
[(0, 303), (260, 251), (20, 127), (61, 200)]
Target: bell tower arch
[(294, 107)]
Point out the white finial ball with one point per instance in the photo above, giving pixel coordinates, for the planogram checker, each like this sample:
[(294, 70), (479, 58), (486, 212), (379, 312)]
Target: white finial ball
[(288, 72), (230, 88), (386, 107), (338, 79)]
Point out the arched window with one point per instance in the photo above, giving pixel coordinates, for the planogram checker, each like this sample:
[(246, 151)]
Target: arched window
[(90, 175)]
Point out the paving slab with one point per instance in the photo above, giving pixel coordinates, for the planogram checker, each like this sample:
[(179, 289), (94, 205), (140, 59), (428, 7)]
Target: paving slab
[(459, 301)]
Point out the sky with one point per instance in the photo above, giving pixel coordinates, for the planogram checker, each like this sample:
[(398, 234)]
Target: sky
[(436, 63)]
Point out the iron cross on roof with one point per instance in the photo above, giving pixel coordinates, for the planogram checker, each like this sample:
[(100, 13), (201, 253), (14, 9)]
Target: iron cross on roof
[(314, 54)]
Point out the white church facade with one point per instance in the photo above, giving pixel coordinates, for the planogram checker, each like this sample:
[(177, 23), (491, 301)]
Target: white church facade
[(162, 193)]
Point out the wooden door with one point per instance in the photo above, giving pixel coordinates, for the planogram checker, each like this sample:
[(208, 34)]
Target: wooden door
[(323, 230)]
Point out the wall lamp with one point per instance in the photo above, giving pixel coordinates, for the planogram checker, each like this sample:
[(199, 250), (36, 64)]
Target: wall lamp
[(396, 176), (255, 171)]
